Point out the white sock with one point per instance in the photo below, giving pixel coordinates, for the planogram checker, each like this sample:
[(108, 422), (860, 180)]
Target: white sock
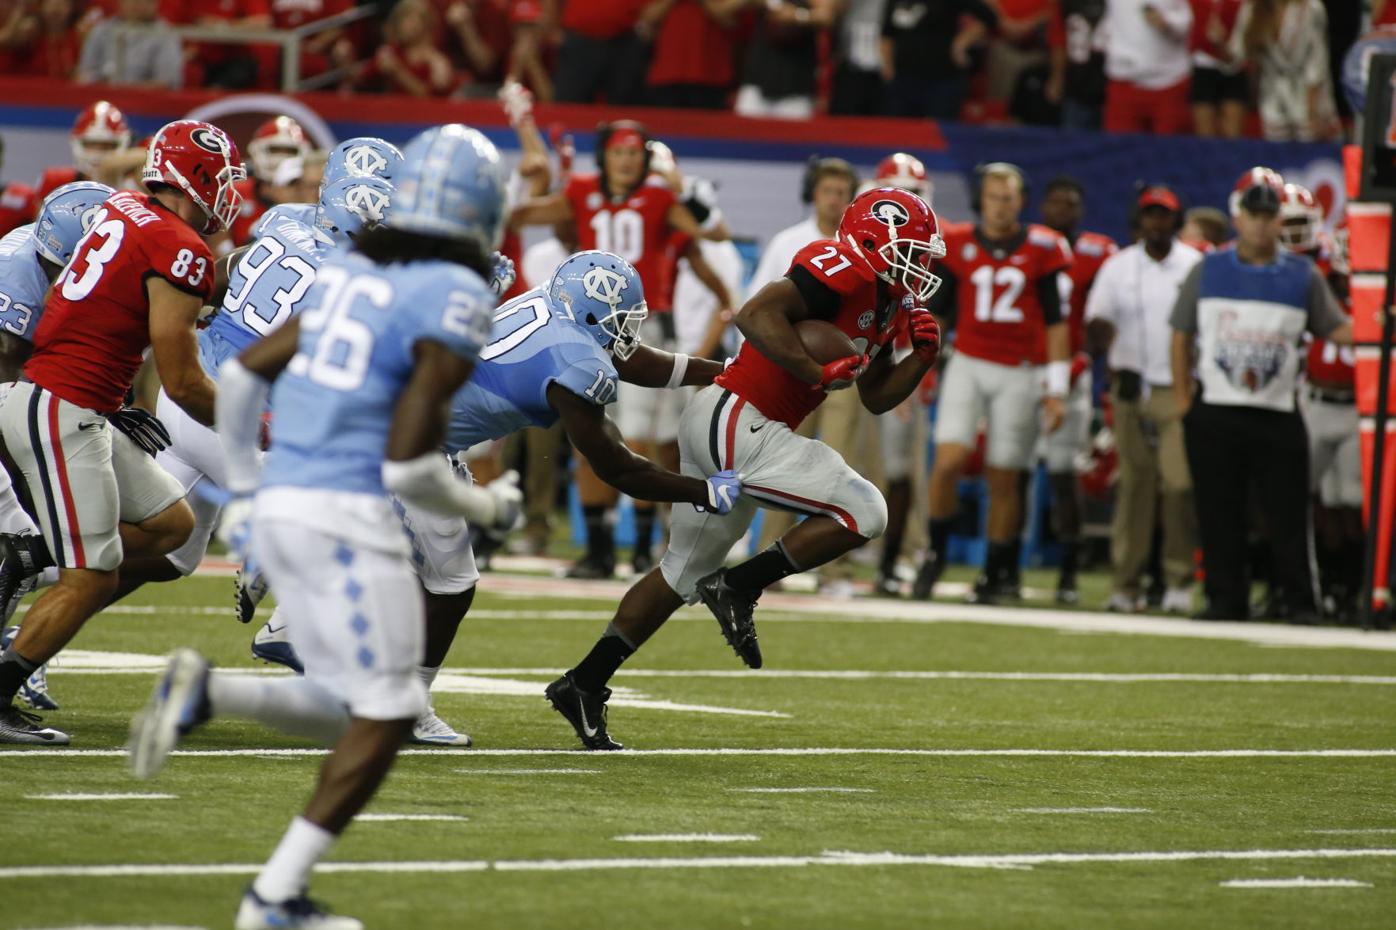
[(287, 871), (48, 576), (291, 705), (428, 675)]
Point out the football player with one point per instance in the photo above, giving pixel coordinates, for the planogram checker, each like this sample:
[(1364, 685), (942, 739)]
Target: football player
[(275, 142), (99, 132), (620, 209), (139, 279), (745, 422), (1005, 293), (362, 382), (556, 354), (1063, 203)]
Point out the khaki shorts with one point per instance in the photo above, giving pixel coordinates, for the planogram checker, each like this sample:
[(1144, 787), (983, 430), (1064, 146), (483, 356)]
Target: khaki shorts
[(84, 477)]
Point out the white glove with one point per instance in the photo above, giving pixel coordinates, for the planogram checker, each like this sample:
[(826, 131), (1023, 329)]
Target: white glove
[(235, 527), (502, 274), (517, 102), (508, 501)]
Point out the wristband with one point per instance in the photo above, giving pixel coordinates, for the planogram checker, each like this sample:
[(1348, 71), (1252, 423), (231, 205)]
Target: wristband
[(680, 369), (1058, 379)]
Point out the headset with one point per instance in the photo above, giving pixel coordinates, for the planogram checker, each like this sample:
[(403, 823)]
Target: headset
[(604, 131), (816, 168), (983, 169), (1179, 218)]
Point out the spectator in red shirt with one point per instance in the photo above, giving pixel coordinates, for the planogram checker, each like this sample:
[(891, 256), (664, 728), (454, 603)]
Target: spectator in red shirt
[(526, 65), (475, 36), (1383, 13), (330, 48), (54, 50), (692, 61), (409, 62), (224, 64), (1220, 90), (18, 29), (603, 53)]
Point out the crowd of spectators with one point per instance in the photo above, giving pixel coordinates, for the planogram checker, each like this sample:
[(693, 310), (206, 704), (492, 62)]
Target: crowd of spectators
[(1214, 67)]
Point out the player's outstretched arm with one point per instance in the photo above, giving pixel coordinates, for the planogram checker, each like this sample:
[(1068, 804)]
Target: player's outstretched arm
[(682, 219), (655, 368), (541, 211), (767, 321), (595, 436), (173, 316)]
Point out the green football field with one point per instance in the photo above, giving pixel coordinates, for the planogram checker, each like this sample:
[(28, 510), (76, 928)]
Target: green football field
[(895, 765)]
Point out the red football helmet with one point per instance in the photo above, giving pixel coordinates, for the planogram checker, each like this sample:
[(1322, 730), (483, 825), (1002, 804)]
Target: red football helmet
[(98, 131), (275, 141), (1261, 180), (896, 235), (1302, 219), (200, 160), (904, 171)]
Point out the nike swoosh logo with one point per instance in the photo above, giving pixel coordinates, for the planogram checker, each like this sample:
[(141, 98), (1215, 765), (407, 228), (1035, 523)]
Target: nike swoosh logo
[(757, 427), (275, 629), (587, 728), (89, 425)]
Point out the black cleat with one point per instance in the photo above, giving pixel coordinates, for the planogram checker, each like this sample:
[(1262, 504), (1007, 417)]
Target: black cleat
[(733, 610), (985, 591), (585, 711), (593, 567), (926, 577), (26, 729), (887, 585)]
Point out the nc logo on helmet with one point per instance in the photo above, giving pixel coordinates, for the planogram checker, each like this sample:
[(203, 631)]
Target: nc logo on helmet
[(604, 285), (363, 161), (366, 203), (89, 216), (209, 140), (891, 213)]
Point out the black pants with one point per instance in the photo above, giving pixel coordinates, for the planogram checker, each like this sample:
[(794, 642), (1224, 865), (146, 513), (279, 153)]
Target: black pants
[(1231, 450), (857, 93), (612, 68)]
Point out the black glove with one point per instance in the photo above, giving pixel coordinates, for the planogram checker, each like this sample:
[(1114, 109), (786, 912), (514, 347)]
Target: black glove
[(142, 427)]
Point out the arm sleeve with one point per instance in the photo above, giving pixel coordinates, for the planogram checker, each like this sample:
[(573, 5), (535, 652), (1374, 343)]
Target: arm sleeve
[(429, 482), (242, 396), (1100, 301), (1050, 295), (821, 300), (1324, 312), (1184, 317)]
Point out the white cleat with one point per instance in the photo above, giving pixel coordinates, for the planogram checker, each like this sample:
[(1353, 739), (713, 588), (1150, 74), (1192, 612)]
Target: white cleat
[(1177, 601), (1121, 603), (431, 730), (178, 704), (299, 913)]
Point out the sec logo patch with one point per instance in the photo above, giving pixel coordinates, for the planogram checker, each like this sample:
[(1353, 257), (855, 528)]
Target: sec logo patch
[(865, 319), (969, 252), (594, 200)]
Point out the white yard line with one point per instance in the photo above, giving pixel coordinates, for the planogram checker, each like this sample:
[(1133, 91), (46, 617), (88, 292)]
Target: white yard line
[(829, 858), (1259, 678), (686, 838), (15, 754), (1082, 810), (529, 771), (111, 796), (1360, 831), (803, 790), (1300, 882), (409, 818)]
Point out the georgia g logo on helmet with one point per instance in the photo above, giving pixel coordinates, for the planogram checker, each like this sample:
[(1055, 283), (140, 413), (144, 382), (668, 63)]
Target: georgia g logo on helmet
[(891, 213), (366, 203), (604, 285), (209, 140), (362, 161)]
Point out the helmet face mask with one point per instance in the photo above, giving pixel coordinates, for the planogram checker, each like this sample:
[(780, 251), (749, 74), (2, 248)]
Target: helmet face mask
[(896, 235)]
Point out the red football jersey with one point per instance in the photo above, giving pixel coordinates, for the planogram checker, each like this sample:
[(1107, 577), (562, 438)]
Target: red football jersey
[(1088, 253), (637, 229), (17, 207), (96, 324), (50, 181), (248, 214), (1000, 317), (777, 393)]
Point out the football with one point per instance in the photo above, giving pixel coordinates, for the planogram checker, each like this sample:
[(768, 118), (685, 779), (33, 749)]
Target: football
[(824, 342)]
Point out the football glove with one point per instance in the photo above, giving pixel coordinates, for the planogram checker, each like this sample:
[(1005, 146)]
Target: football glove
[(235, 527), (841, 373), (925, 334), (517, 102), (723, 490), (142, 427), (502, 274), (508, 501)]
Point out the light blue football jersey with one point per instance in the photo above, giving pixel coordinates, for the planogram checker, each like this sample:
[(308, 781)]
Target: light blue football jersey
[(303, 213), (265, 290), (22, 283), (332, 407), (533, 343)]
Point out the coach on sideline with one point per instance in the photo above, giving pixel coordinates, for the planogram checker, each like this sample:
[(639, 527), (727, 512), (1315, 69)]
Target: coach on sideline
[(1242, 312)]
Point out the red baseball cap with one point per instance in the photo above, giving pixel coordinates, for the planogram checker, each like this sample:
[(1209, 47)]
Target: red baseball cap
[(1159, 196)]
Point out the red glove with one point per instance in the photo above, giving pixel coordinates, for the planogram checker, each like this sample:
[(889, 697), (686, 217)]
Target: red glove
[(841, 373), (925, 334)]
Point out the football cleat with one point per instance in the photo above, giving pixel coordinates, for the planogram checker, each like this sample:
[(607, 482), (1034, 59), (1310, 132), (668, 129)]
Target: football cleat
[(251, 588), (1068, 596), (1177, 601), (298, 913), (983, 592), (22, 728), (178, 704), (734, 611), (585, 711), (431, 730), (271, 644), (926, 577), (887, 586), (34, 691), (1122, 603)]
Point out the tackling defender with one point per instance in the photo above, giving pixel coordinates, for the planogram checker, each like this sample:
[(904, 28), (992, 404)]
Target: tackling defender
[(745, 422), (392, 329)]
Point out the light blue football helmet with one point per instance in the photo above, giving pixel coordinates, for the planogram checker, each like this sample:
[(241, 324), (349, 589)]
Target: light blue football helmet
[(362, 157), (65, 217), (452, 185), (602, 293), (350, 205)]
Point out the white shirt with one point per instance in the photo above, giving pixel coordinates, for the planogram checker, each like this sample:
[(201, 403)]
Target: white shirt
[(540, 260), (1136, 294), (780, 252), (694, 304), (1136, 52)]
